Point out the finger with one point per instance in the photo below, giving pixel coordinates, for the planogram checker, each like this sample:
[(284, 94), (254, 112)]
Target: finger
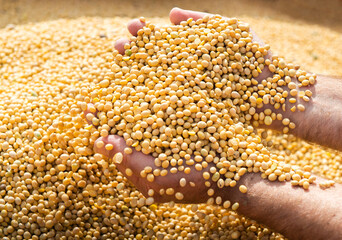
[(178, 15), (135, 25), (120, 45)]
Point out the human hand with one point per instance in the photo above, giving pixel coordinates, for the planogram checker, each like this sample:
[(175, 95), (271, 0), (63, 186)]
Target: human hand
[(192, 190), (133, 164), (176, 16), (188, 186)]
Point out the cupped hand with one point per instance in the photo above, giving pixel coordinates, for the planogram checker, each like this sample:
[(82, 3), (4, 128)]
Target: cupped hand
[(178, 15), (165, 188), (132, 165)]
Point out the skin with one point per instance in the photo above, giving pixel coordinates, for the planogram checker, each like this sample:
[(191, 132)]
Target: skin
[(292, 211)]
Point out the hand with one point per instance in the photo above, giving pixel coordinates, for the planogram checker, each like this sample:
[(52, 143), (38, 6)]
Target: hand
[(282, 200), (132, 164), (195, 190), (178, 15)]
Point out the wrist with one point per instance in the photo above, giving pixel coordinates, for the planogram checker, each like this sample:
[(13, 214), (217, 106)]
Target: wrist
[(278, 204)]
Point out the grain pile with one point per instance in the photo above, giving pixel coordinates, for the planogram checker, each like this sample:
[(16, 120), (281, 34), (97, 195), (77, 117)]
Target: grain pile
[(52, 184), (188, 95)]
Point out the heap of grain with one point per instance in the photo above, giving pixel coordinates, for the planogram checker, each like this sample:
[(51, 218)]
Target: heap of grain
[(188, 95), (48, 190)]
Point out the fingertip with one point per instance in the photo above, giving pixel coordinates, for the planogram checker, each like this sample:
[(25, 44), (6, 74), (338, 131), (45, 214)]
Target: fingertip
[(120, 45), (134, 26), (177, 15)]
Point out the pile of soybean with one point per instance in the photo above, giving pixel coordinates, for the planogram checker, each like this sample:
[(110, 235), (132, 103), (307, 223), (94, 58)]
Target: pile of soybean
[(53, 186), (188, 94)]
